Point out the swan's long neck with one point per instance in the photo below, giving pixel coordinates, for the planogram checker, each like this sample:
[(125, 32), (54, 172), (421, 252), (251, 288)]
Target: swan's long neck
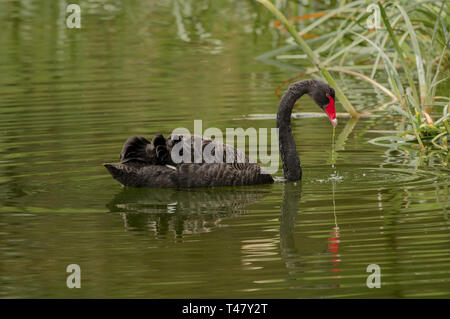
[(291, 162)]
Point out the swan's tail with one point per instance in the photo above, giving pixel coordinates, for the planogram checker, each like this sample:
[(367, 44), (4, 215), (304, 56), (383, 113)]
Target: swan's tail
[(137, 174), (112, 169)]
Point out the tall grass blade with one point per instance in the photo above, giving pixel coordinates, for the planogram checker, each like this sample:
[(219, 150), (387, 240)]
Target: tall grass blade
[(390, 68), (311, 55), (398, 49), (418, 55)]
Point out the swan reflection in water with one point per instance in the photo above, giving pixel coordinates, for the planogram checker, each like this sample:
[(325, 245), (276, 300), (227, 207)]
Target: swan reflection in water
[(295, 245), (182, 211), (193, 211)]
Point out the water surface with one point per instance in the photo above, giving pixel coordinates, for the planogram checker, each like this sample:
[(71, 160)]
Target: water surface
[(70, 98)]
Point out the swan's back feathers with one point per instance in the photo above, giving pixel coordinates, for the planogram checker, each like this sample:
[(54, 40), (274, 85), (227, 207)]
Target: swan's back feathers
[(158, 151), (200, 147)]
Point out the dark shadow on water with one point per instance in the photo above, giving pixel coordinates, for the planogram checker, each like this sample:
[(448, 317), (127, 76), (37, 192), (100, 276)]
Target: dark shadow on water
[(182, 211), (294, 246), (168, 212), (292, 194)]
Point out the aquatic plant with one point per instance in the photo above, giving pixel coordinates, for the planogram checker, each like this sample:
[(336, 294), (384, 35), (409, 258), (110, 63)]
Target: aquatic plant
[(410, 43), (312, 56), (415, 49)]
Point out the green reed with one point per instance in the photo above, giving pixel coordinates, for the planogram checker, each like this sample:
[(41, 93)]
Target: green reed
[(414, 48), (411, 46), (311, 55)]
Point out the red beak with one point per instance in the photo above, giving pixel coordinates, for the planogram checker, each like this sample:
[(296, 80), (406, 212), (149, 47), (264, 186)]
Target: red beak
[(331, 111)]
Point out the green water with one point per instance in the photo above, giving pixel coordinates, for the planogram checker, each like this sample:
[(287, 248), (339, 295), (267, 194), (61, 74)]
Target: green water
[(70, 98)]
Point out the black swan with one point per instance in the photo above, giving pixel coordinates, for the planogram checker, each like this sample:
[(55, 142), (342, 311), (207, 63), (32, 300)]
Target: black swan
[(149, 164)]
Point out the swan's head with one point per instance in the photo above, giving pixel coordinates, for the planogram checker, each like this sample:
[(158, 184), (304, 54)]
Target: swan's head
[(323, 94)]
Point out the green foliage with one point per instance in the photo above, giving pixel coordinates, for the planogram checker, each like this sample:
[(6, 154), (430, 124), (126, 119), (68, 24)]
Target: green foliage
[(415, 49), (411, 45), (311, 55)]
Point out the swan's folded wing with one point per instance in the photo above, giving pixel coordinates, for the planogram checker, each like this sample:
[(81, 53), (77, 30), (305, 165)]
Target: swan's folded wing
[(203, 149), (221, 174)]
